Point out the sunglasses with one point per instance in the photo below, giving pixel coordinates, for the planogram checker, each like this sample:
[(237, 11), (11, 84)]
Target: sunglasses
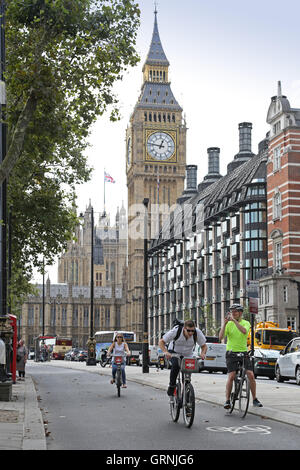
[(190, 331), (120, 337)]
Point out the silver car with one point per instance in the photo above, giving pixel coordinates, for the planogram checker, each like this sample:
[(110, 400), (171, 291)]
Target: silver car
[(288, 363)]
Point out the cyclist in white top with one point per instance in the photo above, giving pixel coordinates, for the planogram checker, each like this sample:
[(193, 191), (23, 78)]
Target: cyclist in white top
[(119, 348), (184, 345)]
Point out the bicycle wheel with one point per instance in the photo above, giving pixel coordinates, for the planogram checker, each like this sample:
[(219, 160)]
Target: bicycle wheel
[(234, 395), (189, 405), (175, 405), (118, 381), (244, 396)]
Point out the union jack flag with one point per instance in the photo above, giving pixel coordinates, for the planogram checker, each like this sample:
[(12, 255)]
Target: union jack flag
[(108, 178)]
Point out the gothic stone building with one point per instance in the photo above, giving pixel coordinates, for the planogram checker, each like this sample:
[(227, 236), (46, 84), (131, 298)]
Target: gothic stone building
[(67, 304)]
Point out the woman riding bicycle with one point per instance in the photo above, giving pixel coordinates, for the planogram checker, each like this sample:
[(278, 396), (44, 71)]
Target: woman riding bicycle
[(118, 348), (184, 344), (236, 329)]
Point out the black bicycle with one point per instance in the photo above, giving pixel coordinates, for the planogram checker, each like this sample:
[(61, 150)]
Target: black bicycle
[(184, 395), (118, 360), (241, 391), (104, 359)]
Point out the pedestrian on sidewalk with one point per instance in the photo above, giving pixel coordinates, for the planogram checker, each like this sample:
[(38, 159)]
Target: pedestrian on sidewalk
[(21, 359)]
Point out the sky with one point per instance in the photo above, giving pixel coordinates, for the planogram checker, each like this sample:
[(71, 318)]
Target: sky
[(225, 61)]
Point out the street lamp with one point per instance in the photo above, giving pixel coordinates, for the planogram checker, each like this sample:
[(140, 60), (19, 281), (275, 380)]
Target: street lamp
[(91, 344), (145, 338)]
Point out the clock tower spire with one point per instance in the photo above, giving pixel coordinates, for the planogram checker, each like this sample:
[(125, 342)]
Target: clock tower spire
[(155, 165)]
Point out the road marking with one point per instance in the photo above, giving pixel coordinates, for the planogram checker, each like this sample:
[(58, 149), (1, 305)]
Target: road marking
[(241, 429)]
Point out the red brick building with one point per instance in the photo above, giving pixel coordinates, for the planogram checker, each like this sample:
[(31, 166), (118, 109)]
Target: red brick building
[(279, 300)]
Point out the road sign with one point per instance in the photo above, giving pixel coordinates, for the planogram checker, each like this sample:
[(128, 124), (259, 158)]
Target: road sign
[(253, 305), (252, 288)]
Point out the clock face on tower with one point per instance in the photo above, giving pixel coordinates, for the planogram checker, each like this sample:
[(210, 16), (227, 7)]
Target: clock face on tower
[(160, 145)]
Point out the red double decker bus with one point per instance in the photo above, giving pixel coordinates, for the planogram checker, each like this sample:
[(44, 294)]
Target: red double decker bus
[(61, 347)]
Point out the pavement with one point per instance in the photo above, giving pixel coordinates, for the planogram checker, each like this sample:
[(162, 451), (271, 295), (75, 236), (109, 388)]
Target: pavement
[(21, 421)]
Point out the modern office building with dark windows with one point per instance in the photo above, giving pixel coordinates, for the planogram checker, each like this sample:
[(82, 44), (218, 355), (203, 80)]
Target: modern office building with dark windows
[(217, 240), (228, 229)]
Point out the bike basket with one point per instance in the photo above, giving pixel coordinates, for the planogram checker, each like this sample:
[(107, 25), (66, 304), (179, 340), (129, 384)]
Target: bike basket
[(189, 365), (118, 359)]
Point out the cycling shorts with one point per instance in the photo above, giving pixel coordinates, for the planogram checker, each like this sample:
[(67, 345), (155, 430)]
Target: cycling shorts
[(232, 361)]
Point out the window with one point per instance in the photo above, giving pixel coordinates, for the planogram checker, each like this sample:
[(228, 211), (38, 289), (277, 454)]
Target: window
[(277, 127), (261, 295), (276, 158), (291, 322), (277, 205), (285, 294), (267, 297), (278, 255)]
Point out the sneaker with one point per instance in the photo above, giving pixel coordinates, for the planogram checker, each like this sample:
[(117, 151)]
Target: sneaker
[(257, 403), (112, 381), (227, 404), (124, 386)]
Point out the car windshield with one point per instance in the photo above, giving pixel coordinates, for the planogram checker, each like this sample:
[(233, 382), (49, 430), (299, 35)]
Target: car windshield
[(277, 338)]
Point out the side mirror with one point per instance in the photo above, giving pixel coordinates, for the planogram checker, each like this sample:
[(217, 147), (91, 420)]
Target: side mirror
[(282, 352)]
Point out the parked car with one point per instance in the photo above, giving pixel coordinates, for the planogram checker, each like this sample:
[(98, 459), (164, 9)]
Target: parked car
[(288, 363), (155, 352), (81, 356), (264, 362), (215, 360), (31, 354), (68, 356)]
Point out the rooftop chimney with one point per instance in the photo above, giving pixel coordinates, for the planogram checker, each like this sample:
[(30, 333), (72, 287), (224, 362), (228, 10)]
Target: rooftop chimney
[(213, 168), (245, 136), (245, 152), (191, 184)]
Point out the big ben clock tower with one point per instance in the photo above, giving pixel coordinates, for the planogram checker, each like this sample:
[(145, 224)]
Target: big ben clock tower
[(155, 164)]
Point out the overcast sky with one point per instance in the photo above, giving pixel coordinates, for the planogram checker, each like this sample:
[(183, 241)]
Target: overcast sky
[(225, 61)]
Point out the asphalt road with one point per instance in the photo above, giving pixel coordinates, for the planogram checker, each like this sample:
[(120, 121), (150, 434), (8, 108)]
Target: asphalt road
[(82, 412)]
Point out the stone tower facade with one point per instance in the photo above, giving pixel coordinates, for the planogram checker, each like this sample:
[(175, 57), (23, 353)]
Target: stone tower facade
[(155, 167)]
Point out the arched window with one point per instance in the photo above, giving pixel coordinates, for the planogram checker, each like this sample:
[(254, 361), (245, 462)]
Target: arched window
[(277, 205)]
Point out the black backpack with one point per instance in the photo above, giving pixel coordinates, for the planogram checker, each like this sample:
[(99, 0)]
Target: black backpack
[(180, 325)]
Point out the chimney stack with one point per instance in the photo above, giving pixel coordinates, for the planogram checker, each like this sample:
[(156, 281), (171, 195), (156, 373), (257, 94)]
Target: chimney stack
[(191, 184), (245, 137)]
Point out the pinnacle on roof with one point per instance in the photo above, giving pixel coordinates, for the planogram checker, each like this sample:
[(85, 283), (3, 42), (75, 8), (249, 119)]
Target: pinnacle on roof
[(156, 55)]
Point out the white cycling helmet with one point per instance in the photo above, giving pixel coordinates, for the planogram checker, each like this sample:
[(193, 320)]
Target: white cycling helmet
[(236, 307)]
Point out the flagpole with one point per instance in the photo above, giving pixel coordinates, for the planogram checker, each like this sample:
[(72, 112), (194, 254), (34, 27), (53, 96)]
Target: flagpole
[(104, 193)]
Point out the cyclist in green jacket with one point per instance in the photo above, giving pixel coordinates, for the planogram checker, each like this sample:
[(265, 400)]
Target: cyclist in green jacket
[(236, 329)]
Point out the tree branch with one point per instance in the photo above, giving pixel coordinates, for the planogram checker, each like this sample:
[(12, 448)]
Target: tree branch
[(17, 142)]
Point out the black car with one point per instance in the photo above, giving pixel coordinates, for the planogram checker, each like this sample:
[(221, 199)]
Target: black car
[(81, 356), (264, 362)]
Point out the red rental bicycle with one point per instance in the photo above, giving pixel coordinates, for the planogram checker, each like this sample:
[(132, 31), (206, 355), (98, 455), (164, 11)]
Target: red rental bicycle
[(184, 395)]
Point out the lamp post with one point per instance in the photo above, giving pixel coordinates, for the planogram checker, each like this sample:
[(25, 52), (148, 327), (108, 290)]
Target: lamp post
[(145, 338), (91, 359)]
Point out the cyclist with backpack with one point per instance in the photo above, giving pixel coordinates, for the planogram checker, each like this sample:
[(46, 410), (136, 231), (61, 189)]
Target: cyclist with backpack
[(181, 340)]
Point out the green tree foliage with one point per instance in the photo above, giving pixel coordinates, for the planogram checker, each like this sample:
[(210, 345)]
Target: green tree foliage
[(62, 59)]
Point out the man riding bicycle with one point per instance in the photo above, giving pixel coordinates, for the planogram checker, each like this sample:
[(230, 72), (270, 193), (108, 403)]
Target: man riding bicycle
[(182, 344), (236, 330)]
